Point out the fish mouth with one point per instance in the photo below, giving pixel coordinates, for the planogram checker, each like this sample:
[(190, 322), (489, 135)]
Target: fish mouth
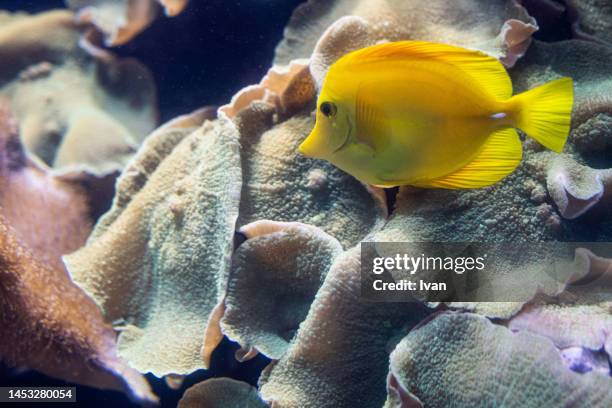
[(306, 148), (346, 138), (313, 146)]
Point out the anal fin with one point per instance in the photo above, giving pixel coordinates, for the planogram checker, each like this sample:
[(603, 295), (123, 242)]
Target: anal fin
[(499, 156)]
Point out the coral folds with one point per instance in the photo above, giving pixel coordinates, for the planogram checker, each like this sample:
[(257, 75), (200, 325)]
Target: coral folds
[(219, 228)]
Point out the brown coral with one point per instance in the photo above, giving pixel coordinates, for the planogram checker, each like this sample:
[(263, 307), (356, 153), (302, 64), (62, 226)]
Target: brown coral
[(50, 215), (46, 322), (283, 87)]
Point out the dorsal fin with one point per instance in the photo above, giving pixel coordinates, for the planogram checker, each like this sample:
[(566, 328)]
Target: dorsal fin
[(486, 71)]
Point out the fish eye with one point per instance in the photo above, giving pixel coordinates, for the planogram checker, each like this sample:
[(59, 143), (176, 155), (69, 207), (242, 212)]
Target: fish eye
[(328, 109)]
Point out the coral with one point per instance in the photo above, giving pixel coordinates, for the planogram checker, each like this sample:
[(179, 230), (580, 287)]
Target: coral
[(154, 149), (578, 320), (576, 188), (278, 181), (577, 181), (513, 276), (304, 376), (221, 393), (463, 360), (33, 200), (334, 28), (518, 208), (534, 203), (521, 208), (586, 327), (65, 95), (594, 18), (164, 202), (173, 7), (280, 184), (274, 278), (160, 256), (284, 87), (50, 325), (338, 357), (167, 267), (46, 322), (122, 20)]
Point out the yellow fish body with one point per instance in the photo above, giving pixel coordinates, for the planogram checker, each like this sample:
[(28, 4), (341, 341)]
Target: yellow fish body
[(431, 115)]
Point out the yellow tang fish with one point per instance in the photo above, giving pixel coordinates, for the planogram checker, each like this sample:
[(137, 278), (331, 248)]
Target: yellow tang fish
[(431, 115)]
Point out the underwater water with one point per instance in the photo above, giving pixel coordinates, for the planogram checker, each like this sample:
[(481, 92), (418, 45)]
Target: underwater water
[(319, 203)]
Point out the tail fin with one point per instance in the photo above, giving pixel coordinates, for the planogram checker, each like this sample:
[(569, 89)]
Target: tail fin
[(546, 111)]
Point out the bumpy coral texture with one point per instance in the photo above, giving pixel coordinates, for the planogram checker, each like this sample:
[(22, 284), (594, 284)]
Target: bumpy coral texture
[(500, 27), (530, 205), (78, 107), (155, 265), (338, 304), (157, 146), (46, 322), (282, 185), (272, 182), (463, 360), (274, 278), (121, 20), (340, 352), (159, 262), (523, 208), (577, 181), (221, 393), (519, 208)]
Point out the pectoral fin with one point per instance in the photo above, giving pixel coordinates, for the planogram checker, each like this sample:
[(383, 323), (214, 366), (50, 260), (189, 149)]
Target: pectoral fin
[(372, 125), (499, 156)]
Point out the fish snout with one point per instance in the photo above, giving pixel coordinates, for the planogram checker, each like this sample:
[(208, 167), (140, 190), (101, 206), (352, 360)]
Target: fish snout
[(310, 147)]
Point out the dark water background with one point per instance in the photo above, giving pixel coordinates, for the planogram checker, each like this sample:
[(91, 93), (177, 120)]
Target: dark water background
[(201, 57)]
